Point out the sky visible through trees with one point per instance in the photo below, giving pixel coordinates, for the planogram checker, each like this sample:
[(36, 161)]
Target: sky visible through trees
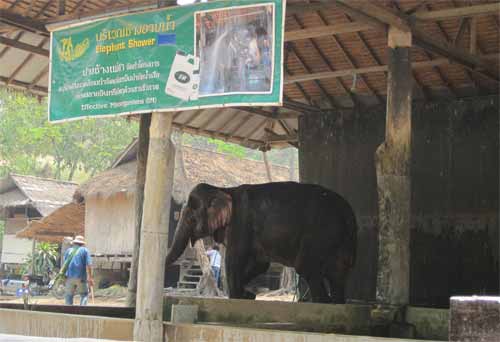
[(77, 150)]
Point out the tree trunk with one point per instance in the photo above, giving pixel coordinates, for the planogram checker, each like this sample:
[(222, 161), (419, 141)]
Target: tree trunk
[(72, 171), (142, 157)]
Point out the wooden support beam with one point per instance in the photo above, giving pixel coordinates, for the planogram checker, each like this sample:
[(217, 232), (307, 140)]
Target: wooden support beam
[(393, 162), (154, 230), (140, 177), (300, 107), (22, 23), (26, 60), (61, 7), (23, 46), (350, 60), (322, 31), (466, 11), (330, 66), (380, 17), (25, 86), (274, 138), (376, 68), (268, 114), (473, 35)]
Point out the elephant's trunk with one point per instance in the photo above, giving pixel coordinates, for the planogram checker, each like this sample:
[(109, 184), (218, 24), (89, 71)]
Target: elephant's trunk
[(181, 237)]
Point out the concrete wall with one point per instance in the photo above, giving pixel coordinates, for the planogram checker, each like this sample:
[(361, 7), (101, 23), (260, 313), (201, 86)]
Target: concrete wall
[(45, 324), (454, 233), (206, 333)]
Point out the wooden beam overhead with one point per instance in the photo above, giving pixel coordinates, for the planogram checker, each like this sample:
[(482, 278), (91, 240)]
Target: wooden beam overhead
[(366, 70), (374, 13), (268, 114), (23, 46), (466, 11), (23, 23), (25, 86), (322, 31)]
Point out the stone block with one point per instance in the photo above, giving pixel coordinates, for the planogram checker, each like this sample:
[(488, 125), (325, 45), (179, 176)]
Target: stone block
[(184, 313), (474, 319)]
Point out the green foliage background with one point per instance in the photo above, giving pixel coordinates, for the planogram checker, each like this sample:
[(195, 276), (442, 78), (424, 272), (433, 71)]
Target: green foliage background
[(29, 144), (77, 150)]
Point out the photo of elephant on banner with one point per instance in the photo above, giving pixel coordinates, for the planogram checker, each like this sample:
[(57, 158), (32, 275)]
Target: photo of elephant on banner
[(304, 226)]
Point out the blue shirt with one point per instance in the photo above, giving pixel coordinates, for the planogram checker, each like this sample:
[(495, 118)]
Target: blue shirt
[(78, 266)]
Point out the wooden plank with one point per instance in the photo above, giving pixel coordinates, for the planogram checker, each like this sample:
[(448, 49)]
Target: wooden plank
[(473, 35), (23, 23), (24, 85), (23, 46), (154, 232), (468, 11), (322, 31)]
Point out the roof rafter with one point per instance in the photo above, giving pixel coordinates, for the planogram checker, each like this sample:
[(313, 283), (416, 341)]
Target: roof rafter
[(328, 64), (366, 70), (23, 46), (23, 23), (382, 16)]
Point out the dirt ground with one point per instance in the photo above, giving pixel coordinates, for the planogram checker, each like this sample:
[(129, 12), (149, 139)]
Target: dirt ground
[(118, 300)]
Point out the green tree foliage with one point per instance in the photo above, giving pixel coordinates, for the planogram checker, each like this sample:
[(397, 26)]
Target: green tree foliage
[(276, 156), (43, 261), (29, 144)]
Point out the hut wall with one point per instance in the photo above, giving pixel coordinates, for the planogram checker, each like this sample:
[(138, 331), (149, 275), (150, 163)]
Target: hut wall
[(455, 182), (15, 224), (15, 250), (109, 224)]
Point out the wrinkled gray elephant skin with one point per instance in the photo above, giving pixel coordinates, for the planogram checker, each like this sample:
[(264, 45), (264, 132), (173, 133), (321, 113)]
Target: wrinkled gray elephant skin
[(303, 226)]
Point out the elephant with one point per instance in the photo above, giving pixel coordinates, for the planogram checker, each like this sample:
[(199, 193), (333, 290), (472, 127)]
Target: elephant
[(304, 226)]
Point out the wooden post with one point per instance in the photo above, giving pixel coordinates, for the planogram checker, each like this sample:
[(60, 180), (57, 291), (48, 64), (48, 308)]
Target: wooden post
[(154, 233), (393, 176), (142, 158)]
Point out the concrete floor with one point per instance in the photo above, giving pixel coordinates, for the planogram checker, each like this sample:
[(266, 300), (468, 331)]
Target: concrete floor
[(19, 338)]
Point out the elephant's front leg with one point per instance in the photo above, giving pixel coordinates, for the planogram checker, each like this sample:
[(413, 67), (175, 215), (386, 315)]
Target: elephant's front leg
[(236, 265)]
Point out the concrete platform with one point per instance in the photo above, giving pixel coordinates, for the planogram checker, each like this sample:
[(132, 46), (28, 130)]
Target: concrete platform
[(206, 333), (56, 325), (22, 338)]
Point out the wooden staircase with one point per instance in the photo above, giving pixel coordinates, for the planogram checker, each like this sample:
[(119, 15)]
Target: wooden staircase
[(190, 275)]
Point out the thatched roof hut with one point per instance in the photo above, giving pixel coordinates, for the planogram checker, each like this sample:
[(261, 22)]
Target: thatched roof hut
[(109, 197), (201, 166), (23, 201), (43, 194), (68, 220)]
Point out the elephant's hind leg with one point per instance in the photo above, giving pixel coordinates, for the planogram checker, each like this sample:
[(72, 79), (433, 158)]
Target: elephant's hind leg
[(336, 274)]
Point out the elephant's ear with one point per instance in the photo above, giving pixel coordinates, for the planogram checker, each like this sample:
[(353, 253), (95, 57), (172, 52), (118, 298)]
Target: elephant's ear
[(219, 212)]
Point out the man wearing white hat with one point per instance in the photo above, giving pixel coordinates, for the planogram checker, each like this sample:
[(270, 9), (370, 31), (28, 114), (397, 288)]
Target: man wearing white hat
[(78, 271)]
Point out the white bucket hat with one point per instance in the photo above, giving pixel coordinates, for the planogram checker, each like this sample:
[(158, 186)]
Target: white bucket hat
[(80, 240)]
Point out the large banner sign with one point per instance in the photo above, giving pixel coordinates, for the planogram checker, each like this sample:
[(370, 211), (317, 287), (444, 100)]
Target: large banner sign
[(220, 53)]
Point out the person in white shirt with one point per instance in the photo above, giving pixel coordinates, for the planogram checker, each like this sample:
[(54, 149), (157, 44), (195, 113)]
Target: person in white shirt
[(214, 255)]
